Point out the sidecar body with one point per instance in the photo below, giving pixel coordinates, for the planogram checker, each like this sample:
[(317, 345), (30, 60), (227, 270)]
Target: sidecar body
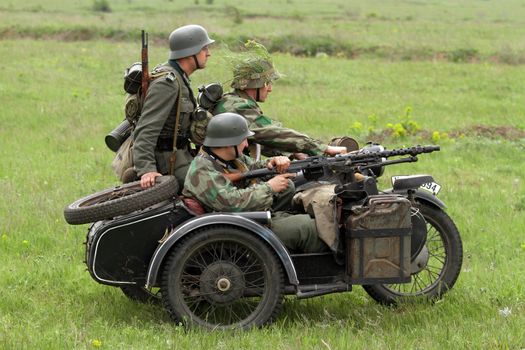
[(131, 250)]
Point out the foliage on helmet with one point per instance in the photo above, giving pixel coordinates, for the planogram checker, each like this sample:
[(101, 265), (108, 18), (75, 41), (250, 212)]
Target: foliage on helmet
[(253, 68)]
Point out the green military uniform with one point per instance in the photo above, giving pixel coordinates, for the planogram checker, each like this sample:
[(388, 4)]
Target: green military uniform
[(271, 135), (153, 135), (205, 182)]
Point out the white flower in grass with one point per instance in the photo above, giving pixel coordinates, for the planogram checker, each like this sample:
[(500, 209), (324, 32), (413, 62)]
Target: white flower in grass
[(505, 312)]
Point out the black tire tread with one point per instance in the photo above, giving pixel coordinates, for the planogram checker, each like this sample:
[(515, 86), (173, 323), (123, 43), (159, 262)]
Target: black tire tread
[(181, 246), (139, 294), (76, 214)]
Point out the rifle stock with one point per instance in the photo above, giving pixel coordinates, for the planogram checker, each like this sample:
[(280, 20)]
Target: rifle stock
[(234, 177)]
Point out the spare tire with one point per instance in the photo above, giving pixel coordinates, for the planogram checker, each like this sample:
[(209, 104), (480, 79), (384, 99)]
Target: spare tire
[(120, 200)]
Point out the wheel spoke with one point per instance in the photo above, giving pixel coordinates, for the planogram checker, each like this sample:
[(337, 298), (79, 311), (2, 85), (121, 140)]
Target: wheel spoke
[(222, 279)]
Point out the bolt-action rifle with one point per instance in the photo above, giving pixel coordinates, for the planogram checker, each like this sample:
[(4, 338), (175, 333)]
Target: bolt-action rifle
[(145, 68), (366, 158)]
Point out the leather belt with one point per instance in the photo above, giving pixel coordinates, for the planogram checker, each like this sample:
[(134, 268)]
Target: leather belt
[(166, 144)]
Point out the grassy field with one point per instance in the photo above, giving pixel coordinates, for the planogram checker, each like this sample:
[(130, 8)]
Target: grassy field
[(468, 30), (60, 98)]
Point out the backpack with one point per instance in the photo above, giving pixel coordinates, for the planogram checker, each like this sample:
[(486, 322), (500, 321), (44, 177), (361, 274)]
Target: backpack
[(207, 98), (133, 89), (119, 140)]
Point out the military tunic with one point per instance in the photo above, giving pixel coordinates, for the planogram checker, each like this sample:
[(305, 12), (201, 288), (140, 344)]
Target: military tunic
[(274, 138), (205, 182), (153, 135)]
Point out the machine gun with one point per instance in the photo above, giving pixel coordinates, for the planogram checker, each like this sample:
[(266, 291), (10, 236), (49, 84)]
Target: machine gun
[(370, 159)]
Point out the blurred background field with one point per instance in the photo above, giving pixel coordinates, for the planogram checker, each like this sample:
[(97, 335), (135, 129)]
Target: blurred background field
[(458, 31), (398, 72)]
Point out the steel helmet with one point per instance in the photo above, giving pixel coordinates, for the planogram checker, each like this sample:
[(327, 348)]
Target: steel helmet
[(253, 68), (188, 40), (254, 73), (226, 129)]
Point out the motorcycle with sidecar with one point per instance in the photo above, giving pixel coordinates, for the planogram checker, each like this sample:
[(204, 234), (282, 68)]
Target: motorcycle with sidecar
[(229, 270)]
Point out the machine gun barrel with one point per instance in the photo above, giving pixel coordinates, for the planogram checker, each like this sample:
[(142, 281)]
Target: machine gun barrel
[(353, 158)]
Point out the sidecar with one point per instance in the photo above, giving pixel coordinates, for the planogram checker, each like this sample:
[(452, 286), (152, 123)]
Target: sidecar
[(229, 270), (231, 262)]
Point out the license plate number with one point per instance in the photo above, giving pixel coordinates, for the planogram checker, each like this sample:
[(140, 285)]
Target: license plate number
[(431, 187)]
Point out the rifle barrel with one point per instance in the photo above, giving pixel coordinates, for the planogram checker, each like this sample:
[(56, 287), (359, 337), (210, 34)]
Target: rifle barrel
[(144, 62)]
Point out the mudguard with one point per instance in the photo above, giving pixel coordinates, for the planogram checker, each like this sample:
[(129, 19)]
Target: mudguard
[(421, 195), (219, 219)]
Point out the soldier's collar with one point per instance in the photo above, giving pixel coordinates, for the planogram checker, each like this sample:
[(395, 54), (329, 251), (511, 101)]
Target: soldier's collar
[(244, 95), (208, 153), (175, 65)]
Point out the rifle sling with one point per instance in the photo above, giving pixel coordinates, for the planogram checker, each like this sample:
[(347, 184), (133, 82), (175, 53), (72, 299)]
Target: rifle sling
[(173, 156)]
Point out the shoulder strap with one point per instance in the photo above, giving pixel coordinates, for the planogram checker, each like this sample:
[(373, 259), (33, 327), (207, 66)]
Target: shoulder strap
[(173, 156)]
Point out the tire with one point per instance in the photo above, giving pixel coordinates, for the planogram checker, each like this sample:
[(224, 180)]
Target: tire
[(438, 275), (222, 277), (141, 294), (119, 200)]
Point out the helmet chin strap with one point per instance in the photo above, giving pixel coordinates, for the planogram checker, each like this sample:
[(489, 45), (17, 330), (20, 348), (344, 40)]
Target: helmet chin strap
[(236, 152), (257, 95), (197, 65)]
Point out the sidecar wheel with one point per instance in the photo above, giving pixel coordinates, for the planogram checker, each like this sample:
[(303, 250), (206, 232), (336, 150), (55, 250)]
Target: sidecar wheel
[(445, 256), (141, 294), (222, 277), (119, 200)]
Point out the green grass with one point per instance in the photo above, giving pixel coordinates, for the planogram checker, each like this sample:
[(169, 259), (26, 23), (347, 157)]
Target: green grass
[(59, 99), (392, 29)]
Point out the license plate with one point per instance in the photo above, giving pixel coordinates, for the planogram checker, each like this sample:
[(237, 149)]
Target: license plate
[(432, 187)]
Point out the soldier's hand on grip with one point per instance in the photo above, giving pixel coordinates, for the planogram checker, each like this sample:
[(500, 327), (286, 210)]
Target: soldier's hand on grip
[(280, 163), (280, 182)]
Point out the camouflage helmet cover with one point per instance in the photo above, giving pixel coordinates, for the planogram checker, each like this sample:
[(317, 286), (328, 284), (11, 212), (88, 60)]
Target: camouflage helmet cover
[(226, 129), (254, 69), (188, 41)]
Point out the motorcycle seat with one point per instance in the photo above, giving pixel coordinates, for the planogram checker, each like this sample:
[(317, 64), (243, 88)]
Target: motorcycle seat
[(193, 206), (403, 183)]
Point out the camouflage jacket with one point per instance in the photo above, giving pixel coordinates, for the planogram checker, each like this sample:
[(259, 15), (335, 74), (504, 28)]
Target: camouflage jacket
[(205, 183), (274, 138), (157, 120)]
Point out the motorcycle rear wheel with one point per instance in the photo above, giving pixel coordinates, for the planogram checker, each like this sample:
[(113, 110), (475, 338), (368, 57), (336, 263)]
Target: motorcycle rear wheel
[(442, 269)]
